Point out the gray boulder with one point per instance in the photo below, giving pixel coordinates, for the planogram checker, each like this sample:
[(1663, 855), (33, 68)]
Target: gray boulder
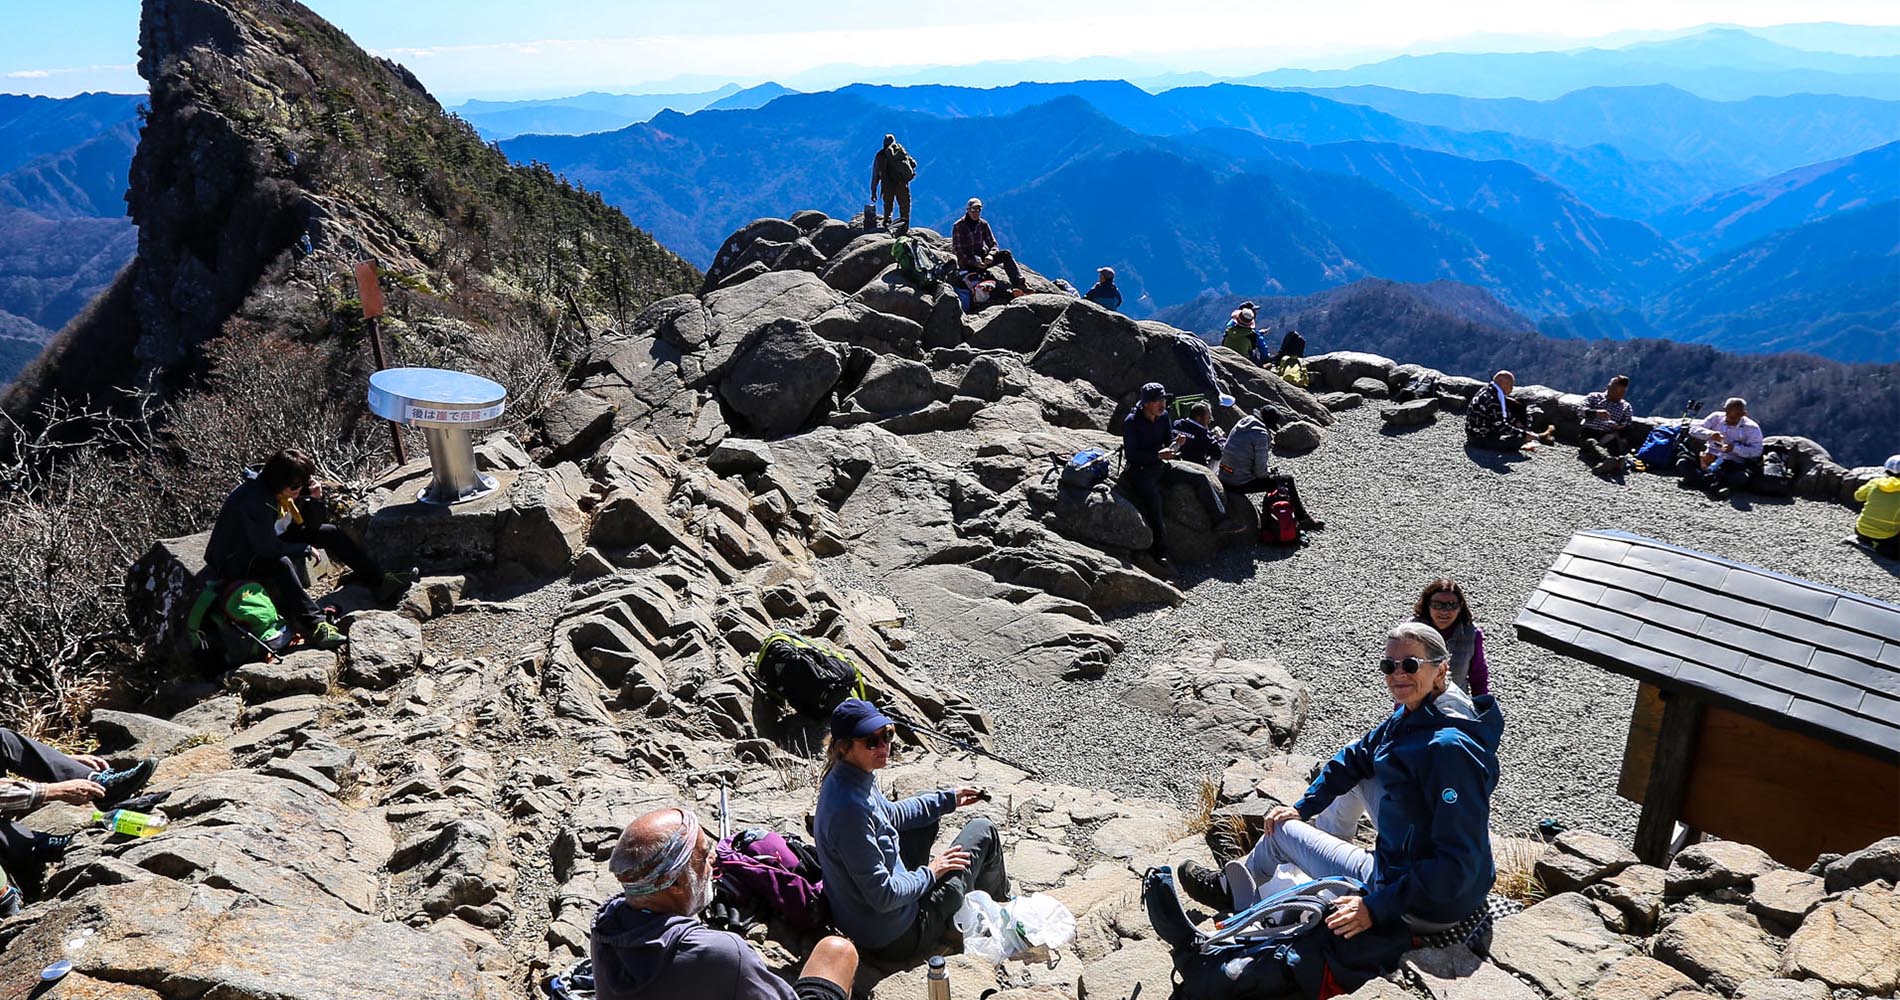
[(741, 248), (808, 220), (1339, 402), (801, 255), (1853, 479), (1716, 864), (135, 735), (781, 380), (576, 423), (1413, 413), (542, 528), (1338, 370), (1560, 945), (831, 237), (895, 385), (1879, 860), (861, 260), (859, 325), (1370, 388), (738, 456), (1296, 438), (1580, 858), (1717, 946), (305, 671), (891, 292), (384, 648)]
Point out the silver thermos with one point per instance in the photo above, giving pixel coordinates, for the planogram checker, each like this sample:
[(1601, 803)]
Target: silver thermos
[(937, 980)]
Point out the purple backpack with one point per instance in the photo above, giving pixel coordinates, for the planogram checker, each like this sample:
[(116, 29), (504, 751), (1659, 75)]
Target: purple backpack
[(765, 871)]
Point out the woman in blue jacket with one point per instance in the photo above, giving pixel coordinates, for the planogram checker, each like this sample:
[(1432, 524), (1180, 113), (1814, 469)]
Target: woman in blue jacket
[(888, 894), (1434, 762)]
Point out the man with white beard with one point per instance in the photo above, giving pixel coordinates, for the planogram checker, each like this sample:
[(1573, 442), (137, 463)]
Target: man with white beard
[(649, 944)]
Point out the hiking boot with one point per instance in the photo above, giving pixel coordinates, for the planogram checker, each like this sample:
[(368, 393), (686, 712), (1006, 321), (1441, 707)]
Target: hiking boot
[(1609, 467), (327, 636), (1206, 886), (123, 783), (50, 847)]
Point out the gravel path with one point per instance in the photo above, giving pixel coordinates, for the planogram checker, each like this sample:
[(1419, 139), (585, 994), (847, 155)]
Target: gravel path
[(1401, 509)]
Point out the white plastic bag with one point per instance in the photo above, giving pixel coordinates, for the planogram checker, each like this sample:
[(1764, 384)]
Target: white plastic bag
[(998, 933)]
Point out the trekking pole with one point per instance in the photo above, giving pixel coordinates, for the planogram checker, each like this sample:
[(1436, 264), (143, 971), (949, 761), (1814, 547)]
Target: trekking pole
[(962, 744), (725, 817)]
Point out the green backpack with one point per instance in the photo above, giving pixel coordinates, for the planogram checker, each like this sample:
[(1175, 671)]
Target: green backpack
[(919, 263), (243, 617)]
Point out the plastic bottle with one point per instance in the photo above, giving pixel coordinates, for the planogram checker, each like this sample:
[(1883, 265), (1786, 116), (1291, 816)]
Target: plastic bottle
[(937, 980), (132, 824)]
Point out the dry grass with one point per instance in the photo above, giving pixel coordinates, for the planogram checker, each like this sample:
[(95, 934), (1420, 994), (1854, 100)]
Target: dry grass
[(1206, 799), (1516, 860)]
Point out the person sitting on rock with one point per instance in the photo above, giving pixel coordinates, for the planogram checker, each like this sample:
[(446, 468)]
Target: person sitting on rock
[(1292, 348), (648, 943), (976, 247), (1878, 526), (1246, 463), (1149, 446), (261, 534), (887, 891), (1607, 419), (1732, 445), (1105, 294), (1442, 605), (1488, 422), (1202, 441), (1239, 335), (1435, 761), (49, 775)]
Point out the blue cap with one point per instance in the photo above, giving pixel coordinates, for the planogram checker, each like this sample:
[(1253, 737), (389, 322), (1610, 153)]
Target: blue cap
[(1153, 391), (855, 718)]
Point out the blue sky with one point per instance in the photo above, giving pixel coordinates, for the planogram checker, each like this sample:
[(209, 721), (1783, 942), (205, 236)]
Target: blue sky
[(484, 48)]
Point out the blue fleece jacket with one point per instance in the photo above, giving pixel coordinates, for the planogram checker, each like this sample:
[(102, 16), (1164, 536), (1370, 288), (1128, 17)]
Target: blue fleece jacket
[(1437, 765), (1144, 439), (873, 896)]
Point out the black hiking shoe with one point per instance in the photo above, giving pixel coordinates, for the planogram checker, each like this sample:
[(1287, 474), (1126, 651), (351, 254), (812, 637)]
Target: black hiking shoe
[(1312, 524), (50, 847), (1206, 886), (123, 783)]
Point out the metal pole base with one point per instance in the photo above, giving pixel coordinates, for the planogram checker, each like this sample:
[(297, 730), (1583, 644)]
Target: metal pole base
[(452, 459)]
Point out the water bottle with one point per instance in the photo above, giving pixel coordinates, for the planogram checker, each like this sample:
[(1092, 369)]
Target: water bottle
[(132, 824), (937, 980)]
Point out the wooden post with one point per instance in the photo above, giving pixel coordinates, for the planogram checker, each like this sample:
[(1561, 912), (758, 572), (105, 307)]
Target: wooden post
[(1668, 776), (369, 291)]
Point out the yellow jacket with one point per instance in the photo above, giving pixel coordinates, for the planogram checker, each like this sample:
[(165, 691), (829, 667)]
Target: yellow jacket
[(1881, 517)]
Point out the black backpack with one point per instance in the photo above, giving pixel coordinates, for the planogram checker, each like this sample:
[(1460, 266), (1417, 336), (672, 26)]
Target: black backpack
[(1421, 386), (899, 167), (1775, 478), (810, 675)]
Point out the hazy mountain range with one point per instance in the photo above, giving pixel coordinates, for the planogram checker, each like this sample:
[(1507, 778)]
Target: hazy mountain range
[(598, 112)]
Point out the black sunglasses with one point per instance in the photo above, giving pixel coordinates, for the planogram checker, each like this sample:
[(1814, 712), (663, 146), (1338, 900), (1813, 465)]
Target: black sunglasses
[(1410, 664), (878, 739)]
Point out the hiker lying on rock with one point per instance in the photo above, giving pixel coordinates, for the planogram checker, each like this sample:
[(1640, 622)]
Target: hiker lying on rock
[(1878, 526), (1488, 422), (1105, 293), (1149, 446), (887, 891), (1442, 605), (1733, 445), (1201, 441), (1246, 463), (263, 532), (1607, 419), (49, 775), (648, 943), (1435, 763), (976, 247)]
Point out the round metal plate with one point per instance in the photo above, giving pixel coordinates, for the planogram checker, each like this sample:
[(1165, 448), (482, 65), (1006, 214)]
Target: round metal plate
[(57, 970), (436, 397)]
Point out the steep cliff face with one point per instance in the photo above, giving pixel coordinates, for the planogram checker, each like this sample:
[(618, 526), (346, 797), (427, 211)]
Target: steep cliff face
[(268, 123)]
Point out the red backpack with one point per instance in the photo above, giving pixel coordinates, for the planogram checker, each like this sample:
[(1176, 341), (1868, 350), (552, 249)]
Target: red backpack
[(1278, 526)]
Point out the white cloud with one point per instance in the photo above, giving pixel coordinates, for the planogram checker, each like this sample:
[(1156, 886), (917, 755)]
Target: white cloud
[(29, 74)]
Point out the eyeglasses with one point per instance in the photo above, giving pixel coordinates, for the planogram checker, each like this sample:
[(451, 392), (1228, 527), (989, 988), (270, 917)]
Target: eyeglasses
[(1410, 664), (1451, 605), (879, 738)]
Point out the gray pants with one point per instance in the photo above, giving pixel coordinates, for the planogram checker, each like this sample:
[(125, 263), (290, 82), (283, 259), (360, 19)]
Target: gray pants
[(1315, 852)]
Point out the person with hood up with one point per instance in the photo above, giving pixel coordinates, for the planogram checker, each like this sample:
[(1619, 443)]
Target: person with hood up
[(1434, 760), (1246, 463), (1879, 524), (893, 168), (648, 943)]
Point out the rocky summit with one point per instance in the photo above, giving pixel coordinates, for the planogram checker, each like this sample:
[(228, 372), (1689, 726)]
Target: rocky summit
[(810, 443)]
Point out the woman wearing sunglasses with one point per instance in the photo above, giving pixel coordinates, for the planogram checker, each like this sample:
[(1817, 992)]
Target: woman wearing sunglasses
[(888, 894), (1435, 762), (1442, 606)]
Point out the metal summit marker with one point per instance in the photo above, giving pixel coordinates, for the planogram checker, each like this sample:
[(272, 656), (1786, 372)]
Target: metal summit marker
[(446, 405)]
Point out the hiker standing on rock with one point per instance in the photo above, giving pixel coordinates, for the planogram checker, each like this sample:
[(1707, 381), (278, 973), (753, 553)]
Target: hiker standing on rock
[(49, 775), (1442, 606), (893, 168), (648, 943), (1149, 446), (887, 891), (1435, 761), (976, 246), (262, 533)]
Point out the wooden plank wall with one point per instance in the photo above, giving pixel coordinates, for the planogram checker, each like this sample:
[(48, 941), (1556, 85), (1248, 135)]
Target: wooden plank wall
[(1787, 793)]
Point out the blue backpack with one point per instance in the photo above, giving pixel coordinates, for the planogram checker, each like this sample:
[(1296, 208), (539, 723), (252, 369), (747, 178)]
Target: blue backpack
[(1658, 451), (1085, 470)]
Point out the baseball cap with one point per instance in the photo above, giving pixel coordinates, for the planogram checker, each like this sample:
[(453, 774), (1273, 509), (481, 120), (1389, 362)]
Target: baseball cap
[(855, 718)]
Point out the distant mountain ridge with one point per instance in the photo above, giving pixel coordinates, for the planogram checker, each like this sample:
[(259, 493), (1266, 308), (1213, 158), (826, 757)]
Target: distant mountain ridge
[(1807, 194)]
